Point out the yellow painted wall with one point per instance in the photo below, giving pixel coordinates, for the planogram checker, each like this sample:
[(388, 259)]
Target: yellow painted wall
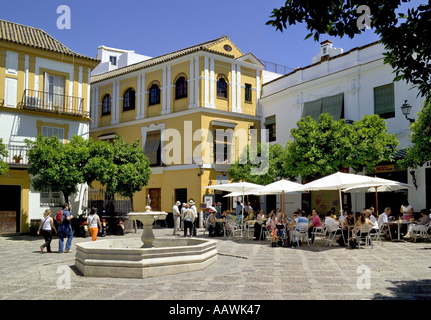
[(20, 178), (33, 53)]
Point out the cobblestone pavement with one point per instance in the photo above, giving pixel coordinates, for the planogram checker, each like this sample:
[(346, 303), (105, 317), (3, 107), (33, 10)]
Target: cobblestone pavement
[(246, 269)]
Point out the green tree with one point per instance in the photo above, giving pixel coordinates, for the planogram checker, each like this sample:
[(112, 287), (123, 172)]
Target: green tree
[(421, 139), (121, 167), (58, 166), (326, 146), (4, 167), (261, 165), (405, 36), (371, 143)]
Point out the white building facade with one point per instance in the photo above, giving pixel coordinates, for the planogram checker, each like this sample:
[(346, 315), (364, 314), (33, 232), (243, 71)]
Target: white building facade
[(347, 85)]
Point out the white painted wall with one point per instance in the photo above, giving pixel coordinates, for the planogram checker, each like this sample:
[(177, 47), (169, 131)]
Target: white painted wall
[(356, 74), (16, 127)]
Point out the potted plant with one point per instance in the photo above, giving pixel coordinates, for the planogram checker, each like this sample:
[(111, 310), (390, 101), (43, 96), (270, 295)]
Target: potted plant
[(17, 158)]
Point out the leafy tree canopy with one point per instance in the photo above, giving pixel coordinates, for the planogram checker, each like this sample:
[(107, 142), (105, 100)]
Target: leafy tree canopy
[(421, 139), (122, 167), (261, 165), (405, 36), (58, 166), (326, 146)]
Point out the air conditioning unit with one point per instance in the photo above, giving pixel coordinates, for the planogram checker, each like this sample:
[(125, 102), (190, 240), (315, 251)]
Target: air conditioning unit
[(32, 102)]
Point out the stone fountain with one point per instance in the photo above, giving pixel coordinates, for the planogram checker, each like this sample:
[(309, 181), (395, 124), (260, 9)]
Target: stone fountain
[(147, 218), (147, 257)]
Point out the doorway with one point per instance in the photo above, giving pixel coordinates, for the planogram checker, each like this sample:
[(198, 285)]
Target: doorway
[(156, 199), (10, 201)]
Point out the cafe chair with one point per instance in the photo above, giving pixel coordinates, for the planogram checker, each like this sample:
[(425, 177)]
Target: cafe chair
[(268, 235), (420, 231), (319, 232), (249, 227), (364, 233), (331, 236), (234, 229), (301, 233), (378, 235)]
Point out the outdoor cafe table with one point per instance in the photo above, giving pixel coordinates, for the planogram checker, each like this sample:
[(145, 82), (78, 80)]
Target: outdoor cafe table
[(398, 223)]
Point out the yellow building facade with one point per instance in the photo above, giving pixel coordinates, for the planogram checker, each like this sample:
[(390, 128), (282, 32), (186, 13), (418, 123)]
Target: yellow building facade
[(192, 110), (44, 89)]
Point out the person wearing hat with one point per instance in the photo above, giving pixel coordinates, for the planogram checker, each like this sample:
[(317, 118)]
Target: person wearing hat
[(177, 217), (195, 213), (183, 209), (218, 209), (211, 222)]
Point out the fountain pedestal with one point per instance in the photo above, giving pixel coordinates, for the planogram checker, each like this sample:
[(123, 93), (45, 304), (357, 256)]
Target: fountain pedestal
[(147, 218)]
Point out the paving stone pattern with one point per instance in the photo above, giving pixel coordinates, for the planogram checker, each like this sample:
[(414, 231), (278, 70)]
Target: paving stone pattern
[(246, 269)]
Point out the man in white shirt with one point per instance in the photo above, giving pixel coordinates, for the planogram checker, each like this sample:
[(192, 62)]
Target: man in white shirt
[(177, 217), (384, 220), (195, 213), (332, 224)]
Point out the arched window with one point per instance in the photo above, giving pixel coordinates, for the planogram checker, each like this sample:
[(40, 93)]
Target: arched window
[(221, 88), (106, 105), (154, 95), (181, 88), (129, 99)]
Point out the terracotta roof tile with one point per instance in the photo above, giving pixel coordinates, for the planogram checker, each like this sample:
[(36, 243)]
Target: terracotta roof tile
[(163, 58), (34, 37)]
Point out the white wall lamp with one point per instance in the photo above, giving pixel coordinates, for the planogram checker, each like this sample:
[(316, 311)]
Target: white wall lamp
[(200, 163)]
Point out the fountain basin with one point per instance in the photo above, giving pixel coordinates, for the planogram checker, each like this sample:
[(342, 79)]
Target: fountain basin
[(124, 258)]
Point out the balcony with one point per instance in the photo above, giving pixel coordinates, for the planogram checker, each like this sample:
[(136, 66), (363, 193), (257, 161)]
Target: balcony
[(17, 155), (53, 103)]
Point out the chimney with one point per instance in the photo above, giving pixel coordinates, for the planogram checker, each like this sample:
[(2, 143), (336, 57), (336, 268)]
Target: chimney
[(326, 52)]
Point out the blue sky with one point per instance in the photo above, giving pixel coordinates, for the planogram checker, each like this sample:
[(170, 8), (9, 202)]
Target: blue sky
[(157, 27)]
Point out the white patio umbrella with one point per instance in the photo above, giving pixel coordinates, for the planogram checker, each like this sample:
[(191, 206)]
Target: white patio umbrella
[(279, 187), (339, 181), (384, 186), (240, 187)]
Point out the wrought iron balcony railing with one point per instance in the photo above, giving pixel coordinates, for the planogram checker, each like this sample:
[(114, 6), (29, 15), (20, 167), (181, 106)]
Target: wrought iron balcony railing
[(17, 155), (53, 103)]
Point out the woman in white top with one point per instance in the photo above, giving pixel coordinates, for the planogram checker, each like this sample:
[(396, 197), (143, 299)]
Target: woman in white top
[(46, 224), (93, 222), (407, 211)]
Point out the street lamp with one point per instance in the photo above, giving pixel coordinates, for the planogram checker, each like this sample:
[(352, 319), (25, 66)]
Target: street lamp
[(200, 163), (406, 108)]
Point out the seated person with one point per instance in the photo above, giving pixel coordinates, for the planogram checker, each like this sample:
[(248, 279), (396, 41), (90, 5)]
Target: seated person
[(301, 221), (229, 216), (260, 216), (388, 227), (251, 216), (347, 221), (372, 218), (362, 221), (424, 220), (211, 223), (332, 224), (314, 222)]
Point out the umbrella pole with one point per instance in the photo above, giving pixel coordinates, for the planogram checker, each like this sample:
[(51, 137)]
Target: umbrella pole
[(242, 216), (282, 216), (377, 203), (341, 202)]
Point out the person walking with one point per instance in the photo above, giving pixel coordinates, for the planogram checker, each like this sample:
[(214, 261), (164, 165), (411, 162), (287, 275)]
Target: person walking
[(177, 218), (93, 222), (65, 229), (46, 224)]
